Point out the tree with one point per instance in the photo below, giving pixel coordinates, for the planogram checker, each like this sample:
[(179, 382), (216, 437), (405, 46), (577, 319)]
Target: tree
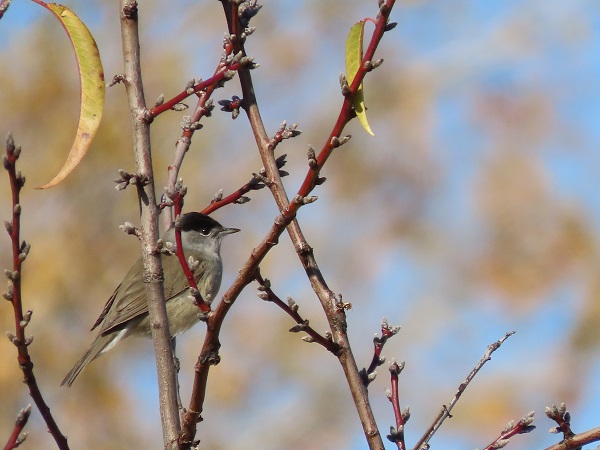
[(367, 176)]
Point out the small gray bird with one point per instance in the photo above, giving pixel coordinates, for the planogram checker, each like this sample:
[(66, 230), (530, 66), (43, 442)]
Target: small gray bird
[(126, 312)]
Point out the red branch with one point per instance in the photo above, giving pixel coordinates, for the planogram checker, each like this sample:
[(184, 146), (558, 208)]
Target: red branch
[(292, 310), (397, 435), (16, 438), (200, 302), (347, 110), (387, 332), (20, 251), (512, 429), (220, 75)]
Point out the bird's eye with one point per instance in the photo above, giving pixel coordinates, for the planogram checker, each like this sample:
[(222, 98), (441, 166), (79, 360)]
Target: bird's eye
[(205, 231)]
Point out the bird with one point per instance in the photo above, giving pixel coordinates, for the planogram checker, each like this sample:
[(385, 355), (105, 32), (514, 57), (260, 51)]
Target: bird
[(126, 311)]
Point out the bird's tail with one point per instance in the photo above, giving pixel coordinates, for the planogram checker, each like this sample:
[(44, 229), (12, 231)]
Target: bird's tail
[(99, 346)]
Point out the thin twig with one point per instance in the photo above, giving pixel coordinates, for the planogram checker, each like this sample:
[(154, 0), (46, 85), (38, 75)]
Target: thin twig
[(17, 438), (397, 433), (512, 429), (562, 417), (445, 412), (256, 183), (177, 198), (20, 251), (291, 308), (387, 331)]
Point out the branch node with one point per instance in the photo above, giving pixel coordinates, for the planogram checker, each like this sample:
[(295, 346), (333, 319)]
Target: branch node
[(130, 11), (11, 275), (12, 338), (129, 228), (203, 315), (233, 106), (390, 26), (299, 327), (305, 200), (179, 107), (292, 304), (120, 78), (344, 85), (218, 196), (210, 357), (26, 318)]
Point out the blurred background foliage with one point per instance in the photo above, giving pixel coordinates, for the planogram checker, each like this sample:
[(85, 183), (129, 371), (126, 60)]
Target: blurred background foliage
[(474, 211)]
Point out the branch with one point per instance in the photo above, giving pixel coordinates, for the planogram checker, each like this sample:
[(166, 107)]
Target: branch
[(571, 441), (226, 69), (511, 429), (16, 438), (291, 308), (237, 20), (397, 433), (332, 305), (153, 275), (176, 198), (4, 4), (256, 183), (387, 331), (445, 412), (578, 440), (20, 250)]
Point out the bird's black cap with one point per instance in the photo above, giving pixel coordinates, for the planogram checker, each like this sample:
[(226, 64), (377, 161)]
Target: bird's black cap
[(198, 221)]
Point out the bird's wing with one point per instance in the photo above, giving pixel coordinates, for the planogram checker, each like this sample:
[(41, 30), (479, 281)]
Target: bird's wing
[(129, 300)]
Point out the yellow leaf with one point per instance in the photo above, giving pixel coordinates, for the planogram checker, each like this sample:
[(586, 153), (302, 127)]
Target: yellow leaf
[(354, 55), (91, 77)]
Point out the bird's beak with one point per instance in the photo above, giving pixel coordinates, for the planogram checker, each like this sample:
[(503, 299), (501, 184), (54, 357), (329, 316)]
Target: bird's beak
[(225, 231)]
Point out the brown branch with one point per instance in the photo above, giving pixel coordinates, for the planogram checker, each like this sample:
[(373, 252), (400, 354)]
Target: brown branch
[(16, 438), (578, 440), (20, 250), (571, 441), (149, 212), (562, 417), (445, 412)]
